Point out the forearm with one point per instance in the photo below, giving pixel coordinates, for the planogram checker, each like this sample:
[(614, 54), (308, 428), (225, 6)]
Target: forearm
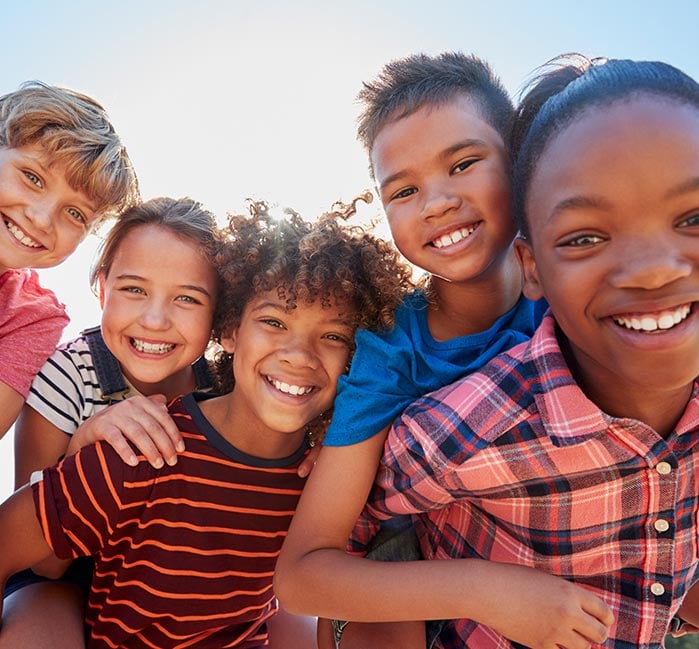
[(393, 591), (10, 405), (21, 537), (689, 611)]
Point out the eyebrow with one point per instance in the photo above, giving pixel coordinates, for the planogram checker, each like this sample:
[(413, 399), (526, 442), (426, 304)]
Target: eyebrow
[(187, 287), (579, 203), (686, 187), (279, 307), (446, 153)]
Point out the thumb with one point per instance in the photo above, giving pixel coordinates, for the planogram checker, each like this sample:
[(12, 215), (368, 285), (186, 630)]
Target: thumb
[(158, 398)]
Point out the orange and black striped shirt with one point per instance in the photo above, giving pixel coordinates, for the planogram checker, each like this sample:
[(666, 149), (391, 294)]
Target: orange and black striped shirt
[(184, 555)]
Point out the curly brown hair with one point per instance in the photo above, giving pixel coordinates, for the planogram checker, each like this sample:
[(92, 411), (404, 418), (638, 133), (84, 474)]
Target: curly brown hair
[(327, 260)]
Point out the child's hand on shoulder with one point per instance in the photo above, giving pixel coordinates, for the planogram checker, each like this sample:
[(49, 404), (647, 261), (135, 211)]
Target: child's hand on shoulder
[(543, 611), (143, 421)]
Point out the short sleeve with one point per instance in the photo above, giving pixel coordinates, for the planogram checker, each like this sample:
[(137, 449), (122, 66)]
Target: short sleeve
[(78, 502), (58, 392), (376, 390), (31, 324)]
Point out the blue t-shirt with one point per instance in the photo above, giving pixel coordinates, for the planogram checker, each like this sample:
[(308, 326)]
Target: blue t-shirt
[(392, 369)]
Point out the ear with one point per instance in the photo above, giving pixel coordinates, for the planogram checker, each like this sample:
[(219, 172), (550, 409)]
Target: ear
[(228, 341), (532, 286), (100, 289)]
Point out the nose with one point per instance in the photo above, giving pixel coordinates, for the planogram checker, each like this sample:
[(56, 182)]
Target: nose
[(299, 352), (41, 213), (439, 200), (155, 316), (651, 263)]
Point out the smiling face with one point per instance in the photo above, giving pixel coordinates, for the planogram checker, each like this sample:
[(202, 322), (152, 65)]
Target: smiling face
[(443, 179), (43, 218), (613, 209), (158, 302), (286, 365)]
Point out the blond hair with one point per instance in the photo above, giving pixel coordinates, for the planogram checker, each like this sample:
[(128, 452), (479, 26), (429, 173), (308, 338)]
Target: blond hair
[(74, 130)]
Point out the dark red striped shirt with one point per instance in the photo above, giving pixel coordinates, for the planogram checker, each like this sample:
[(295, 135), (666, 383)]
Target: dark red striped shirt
[(185, 554)]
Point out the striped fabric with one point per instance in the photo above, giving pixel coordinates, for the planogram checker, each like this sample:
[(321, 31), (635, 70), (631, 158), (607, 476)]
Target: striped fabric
[(66, 391), (515, 464), (185, 554)]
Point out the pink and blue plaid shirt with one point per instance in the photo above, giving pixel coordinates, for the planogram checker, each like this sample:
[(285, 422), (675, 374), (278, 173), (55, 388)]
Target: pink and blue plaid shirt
[(515, 464)]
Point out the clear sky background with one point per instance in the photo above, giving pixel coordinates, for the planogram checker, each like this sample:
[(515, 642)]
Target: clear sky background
[(225, 100)]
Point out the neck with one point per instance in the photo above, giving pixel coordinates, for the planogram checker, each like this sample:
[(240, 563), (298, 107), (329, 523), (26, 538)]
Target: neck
[(245, 434), (657, 405), (465, 308), (173, 386)]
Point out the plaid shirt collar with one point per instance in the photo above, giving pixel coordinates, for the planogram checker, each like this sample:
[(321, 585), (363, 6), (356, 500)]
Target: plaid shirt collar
[(567, 415)]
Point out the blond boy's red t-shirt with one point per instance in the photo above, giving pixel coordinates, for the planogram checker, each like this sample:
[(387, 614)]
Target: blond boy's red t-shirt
[(31, 323)]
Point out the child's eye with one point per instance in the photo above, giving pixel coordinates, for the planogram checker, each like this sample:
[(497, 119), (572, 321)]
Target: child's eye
[(463, 165), (188, 299), (272, 322), (338, 338), (133, 289), (581, 241), (690, 221), (77, 215), (33, 178), (404, 193)]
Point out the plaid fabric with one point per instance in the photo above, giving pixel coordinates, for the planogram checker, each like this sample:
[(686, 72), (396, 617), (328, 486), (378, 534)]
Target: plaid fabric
[(515, 464)]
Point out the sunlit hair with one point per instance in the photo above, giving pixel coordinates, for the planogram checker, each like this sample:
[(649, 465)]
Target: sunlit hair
[(74, 130), (306, 261), (405, 85), (184, 217), (571, 84)]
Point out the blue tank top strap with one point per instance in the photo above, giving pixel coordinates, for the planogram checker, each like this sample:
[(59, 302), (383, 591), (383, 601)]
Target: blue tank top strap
[(109, 375), (202, 374)]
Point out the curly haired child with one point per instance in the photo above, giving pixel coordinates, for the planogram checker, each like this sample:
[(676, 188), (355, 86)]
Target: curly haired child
[(192, 547)]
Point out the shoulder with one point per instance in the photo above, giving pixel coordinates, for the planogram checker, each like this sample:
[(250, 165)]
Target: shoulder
[(22, 287), (483, 404)]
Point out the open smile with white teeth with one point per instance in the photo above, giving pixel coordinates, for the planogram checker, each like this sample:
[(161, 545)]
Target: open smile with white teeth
[(294, 390), (451, 238), (650, 322), (152, 348), (21, 236)]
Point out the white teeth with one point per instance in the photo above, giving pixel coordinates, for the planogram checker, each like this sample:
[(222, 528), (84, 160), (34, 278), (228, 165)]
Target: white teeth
[(21, 237), (295, 390), (666, 320), (453, 237), (152, 348)]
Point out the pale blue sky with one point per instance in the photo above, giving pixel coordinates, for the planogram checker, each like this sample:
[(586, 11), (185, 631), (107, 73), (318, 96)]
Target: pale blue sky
[(225, 100)]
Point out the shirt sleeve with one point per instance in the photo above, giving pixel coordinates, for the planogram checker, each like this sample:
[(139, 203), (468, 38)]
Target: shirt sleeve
[(31, 325), (59, 391), (377, 389), (78, 502)]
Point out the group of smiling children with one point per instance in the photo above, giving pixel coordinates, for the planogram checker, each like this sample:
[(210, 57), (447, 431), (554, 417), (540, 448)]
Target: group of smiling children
[(531, 405)]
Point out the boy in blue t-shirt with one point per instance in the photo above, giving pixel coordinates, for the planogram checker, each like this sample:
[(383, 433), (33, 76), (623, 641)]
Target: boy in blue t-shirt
[(436, 130)]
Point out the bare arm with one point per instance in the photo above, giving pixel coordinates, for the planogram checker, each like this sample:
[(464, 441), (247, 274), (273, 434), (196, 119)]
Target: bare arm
[(21, 538), (689, 611), (38, 444), (499, 595), (10, 404)]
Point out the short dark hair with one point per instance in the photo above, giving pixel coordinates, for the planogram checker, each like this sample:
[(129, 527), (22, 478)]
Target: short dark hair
[(405, 85), (572, 83)]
